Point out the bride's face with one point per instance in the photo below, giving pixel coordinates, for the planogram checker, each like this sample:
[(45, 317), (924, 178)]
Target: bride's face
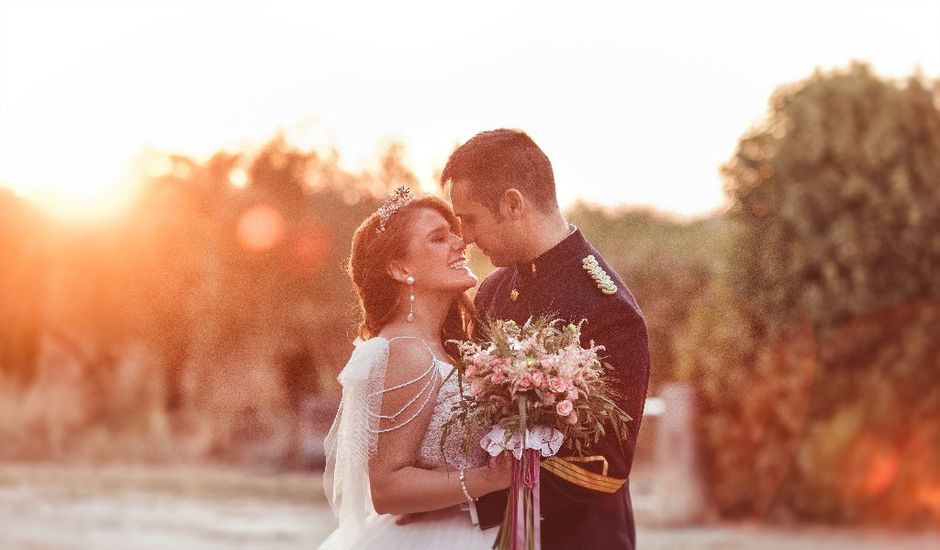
[(436, 254)]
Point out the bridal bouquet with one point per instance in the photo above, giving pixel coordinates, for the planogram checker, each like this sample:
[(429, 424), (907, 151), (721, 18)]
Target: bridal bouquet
[(535, 389)]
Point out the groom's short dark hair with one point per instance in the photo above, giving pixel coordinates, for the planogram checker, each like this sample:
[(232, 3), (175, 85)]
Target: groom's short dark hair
[(496, 160)]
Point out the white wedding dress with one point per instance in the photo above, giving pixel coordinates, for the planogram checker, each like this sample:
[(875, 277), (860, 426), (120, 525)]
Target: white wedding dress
[(352, 440)]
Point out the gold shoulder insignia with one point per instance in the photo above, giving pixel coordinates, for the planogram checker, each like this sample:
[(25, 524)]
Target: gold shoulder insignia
[(603, 280)]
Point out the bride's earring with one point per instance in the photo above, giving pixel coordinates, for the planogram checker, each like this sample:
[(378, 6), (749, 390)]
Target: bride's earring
[(411, 299)]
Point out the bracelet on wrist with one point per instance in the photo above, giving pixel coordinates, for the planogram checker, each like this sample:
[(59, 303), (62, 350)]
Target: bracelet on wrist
[(463, 486)]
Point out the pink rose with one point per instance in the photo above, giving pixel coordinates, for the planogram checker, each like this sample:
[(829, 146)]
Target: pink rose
[(564, 408), (573, 418), (573, 394), (538, 380), (525, 382), (497, 377), (556, 384), (476, 387)]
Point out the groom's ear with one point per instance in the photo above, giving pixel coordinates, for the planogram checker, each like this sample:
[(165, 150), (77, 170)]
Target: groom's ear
[(512, 205), (397, 271)]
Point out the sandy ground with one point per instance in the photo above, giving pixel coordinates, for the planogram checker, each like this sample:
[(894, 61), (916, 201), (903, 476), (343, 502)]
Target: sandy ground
[(75, 507)]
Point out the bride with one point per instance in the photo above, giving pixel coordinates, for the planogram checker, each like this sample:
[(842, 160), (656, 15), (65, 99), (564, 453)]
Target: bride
[(383, 453)]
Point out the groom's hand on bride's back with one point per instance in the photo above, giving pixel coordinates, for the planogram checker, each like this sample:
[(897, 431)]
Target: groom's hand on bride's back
[(416, 517)]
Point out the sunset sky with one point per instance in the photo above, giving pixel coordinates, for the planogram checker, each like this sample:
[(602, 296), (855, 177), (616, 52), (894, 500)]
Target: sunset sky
[(636, 103)]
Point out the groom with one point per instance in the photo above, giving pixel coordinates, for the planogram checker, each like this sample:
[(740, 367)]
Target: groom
[(503, 189)]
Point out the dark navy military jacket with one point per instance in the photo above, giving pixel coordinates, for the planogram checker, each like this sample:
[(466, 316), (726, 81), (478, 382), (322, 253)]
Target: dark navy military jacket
[(585, 501)]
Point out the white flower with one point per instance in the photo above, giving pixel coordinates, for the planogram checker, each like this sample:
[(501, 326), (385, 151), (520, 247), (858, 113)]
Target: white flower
[(541, 438), (545, 439)]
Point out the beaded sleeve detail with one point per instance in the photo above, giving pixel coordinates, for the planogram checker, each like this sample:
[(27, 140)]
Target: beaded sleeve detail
[(425, 393), (437, 387), (430, 452)]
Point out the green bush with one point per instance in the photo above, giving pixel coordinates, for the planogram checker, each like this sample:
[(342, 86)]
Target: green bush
[(838, 197), (836, 204), (753, 388), (870, 452)]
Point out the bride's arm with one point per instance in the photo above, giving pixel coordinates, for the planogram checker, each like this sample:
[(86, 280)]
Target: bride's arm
[(398, 485)]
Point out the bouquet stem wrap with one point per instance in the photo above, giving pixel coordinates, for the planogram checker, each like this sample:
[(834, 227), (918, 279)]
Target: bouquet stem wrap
[(526, 492), (521, 529)]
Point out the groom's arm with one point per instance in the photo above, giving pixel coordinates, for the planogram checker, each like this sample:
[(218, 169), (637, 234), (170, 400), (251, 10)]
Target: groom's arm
[(626, 347), (567, 484)]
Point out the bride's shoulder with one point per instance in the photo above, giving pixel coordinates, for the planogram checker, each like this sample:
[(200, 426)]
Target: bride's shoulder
[(409, 357), (408, 349)]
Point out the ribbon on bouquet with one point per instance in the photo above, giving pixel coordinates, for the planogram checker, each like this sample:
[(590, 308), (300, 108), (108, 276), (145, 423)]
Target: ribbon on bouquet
[(525, 494), (522, 528)]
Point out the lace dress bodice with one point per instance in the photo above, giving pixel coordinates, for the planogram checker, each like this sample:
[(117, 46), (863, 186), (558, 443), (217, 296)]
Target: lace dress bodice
[(430, 453)]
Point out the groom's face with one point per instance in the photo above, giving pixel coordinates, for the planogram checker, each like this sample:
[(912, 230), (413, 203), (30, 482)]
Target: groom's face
[(481, 226)]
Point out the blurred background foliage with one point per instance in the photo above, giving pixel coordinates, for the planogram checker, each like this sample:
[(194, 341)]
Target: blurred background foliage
[(806, 316), (194, 325), (836, 210)]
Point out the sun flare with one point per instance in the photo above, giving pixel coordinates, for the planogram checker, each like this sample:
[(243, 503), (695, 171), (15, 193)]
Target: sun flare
[(79, 195)]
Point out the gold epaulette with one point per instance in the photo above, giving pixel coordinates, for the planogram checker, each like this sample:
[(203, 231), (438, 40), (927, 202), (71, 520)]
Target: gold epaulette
[(601, 278), (566, 469)]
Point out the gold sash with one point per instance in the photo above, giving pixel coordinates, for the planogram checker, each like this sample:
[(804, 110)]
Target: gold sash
[(567, 469)]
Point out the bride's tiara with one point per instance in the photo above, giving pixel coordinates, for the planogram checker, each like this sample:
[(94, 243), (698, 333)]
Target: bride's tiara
[(395, 200)]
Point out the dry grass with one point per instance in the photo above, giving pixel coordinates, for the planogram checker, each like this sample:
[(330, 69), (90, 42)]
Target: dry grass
[(192, 481)]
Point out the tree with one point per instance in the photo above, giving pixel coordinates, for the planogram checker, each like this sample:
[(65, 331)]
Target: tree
[(836, 198), (23, 248), (195, 324)]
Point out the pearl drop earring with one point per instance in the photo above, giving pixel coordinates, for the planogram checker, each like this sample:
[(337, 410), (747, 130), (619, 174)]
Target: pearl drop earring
[(411, 299)]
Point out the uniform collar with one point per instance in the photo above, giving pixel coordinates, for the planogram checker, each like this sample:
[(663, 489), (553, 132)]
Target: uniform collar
[(569, 249)]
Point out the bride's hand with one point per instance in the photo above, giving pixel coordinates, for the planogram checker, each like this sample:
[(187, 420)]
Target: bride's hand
[(495, 477), (503, 468)]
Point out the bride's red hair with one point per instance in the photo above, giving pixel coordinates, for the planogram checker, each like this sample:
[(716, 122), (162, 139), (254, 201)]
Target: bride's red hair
[(380, 296)]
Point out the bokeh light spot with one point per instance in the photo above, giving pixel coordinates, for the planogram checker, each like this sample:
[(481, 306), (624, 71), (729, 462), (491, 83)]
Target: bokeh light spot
[(260, 228), (238, 178), (929, 495), (882, 470), (872, 466), (310, 250)]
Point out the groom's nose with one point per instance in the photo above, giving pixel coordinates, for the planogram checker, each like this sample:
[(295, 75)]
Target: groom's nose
[(467, 236)]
